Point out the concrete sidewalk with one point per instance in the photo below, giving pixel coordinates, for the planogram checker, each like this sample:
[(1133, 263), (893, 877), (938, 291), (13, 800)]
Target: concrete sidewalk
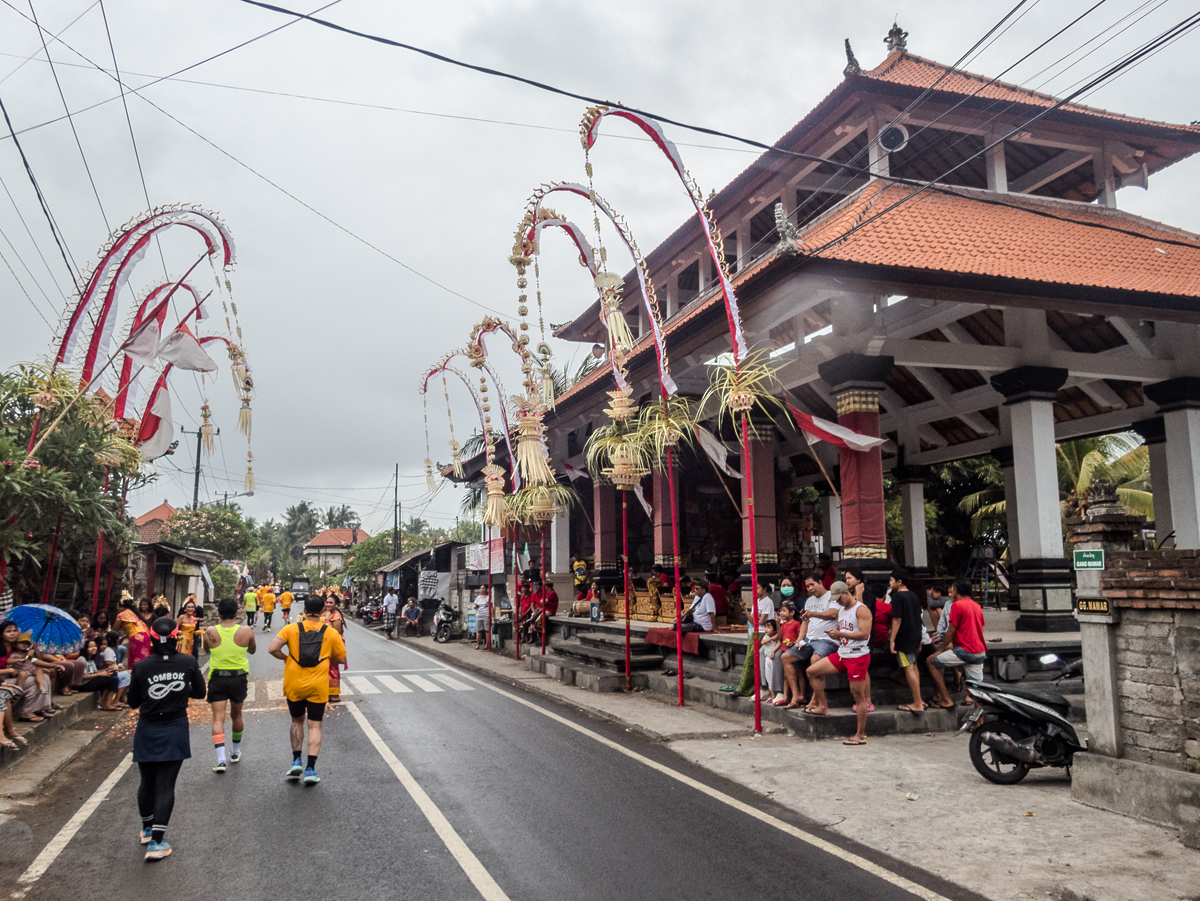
[(913, 797)]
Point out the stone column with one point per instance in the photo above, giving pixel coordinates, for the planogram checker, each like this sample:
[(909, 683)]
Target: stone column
[(1109, 527), (761, 465), (831, 522), (604, 509), (856, 381), (912, 513), (560, 543), (1154, 433), (1004, 456), (661, 486), (1179, 403), (1042, 574)]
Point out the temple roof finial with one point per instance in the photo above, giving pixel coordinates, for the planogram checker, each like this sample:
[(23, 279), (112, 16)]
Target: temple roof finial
[(852, 66), (897, 39)]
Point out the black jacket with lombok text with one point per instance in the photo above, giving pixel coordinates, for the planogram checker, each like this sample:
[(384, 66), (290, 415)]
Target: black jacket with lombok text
[(161, 684)]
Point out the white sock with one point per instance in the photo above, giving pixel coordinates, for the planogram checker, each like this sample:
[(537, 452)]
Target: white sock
[(220, 753)]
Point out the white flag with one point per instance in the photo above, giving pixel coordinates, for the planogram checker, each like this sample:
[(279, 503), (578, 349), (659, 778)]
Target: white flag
[(641, 496), (142, 346), (182, 349), (715, 450), (573, 473), (158, 429)]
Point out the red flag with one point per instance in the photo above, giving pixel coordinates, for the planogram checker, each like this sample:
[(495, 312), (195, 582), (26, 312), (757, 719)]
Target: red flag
[(837, 435)]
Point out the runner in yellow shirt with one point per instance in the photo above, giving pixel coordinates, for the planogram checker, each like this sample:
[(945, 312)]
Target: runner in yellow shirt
[(307, 648), (268, 608), (285, 604)]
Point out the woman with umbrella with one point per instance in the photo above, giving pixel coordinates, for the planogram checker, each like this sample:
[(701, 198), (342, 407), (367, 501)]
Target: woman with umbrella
[(55, 634)]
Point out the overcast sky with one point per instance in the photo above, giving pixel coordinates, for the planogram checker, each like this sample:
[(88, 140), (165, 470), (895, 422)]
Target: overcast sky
[(432, 164)]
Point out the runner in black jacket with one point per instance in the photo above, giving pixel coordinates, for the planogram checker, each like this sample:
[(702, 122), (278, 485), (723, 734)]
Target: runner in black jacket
[(160, 687)]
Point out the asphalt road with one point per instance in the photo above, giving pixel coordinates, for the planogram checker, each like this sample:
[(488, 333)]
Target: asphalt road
[(439, 785)]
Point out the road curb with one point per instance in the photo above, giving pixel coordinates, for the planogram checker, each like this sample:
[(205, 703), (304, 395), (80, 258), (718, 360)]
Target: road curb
[(43, 733), (566, 702)]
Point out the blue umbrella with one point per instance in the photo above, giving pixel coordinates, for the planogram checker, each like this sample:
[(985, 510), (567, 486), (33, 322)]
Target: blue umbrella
[(54, 630)]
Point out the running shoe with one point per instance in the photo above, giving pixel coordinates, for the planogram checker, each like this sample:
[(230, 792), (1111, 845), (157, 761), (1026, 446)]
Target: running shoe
[(157, 850), (310, 776), (220, 767), (147, 834), (296, 770), (235, 756)]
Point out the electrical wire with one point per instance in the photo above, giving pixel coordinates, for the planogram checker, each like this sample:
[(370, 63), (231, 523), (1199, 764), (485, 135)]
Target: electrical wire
[(70, 118), (36, 308), (16, 253), (32, 240), (33, 56)]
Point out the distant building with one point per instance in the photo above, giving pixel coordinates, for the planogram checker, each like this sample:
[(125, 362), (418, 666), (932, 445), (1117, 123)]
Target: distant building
[(150, 524), (329, 549)]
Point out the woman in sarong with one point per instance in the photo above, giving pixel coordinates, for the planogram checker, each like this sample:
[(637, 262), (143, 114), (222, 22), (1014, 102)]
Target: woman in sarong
[(137, 633), (333, 618)]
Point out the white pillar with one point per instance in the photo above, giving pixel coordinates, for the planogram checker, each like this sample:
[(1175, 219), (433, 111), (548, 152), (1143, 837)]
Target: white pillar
[(1183, 463), (1039, 521), (1160, 485), (560, 543), (912, 512), (831, 519)]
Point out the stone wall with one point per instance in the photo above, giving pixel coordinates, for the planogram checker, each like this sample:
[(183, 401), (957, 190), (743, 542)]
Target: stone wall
[(1157, 594)]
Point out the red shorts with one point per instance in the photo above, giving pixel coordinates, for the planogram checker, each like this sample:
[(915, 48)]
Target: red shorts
[(855, 668)]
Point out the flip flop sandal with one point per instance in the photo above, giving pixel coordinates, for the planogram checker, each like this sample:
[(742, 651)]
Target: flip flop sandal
[(814, 712), (20, 739), (729, 689), (909, 709), (870, 709), (853, 742)]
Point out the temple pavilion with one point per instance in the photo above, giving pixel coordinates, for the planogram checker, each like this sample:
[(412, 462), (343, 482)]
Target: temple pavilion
[(959, 269)]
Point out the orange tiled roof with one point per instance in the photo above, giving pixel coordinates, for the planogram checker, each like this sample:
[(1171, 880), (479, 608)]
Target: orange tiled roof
[(338, 538), (950, 231), (918, 72), (163, 512)]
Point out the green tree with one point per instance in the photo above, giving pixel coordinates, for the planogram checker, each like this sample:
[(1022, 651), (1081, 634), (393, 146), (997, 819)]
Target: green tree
[(301, 524), (339, 518), (367, 556), (218, 529), (224, 579)]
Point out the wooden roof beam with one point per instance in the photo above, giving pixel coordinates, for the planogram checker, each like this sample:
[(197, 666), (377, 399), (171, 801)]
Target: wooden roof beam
[(1048, 171)]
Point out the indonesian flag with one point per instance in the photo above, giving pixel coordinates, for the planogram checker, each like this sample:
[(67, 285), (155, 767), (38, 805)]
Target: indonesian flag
[(837, 435), (183, 350), (142, 346), (716, 451), (573, 474), (157, 429), (641, 496)]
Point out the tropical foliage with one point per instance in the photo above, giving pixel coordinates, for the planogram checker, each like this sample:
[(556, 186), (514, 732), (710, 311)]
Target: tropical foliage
[(218, 529)]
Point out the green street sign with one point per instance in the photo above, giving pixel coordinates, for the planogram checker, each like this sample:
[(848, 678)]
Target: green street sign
[(1089, 559)]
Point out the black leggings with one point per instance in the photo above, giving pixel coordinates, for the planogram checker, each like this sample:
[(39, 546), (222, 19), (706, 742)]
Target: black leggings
[(156, 794)]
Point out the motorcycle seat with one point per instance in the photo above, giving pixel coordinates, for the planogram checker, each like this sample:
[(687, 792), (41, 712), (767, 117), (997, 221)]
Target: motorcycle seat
[(1056, 701)]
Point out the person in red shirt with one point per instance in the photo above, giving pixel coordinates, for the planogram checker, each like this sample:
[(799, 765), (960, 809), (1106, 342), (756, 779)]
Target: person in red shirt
[(717, 590), (545, 603), (524, 610), (789, 632), (963, 644)]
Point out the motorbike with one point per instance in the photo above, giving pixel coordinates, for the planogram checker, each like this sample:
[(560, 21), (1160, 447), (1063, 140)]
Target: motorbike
[(443, 621), (370, 611), (1013, 731)]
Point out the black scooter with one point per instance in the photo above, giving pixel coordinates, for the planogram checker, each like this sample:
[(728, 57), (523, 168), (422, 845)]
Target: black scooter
[(1013, 731), (443, 621)]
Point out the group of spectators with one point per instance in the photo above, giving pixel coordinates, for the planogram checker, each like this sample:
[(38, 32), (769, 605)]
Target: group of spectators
[(836, 628), (410, 614), (32, 678)]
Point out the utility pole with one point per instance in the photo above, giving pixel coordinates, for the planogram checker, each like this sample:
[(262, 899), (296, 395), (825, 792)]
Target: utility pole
[(196, 489), (396, 517)]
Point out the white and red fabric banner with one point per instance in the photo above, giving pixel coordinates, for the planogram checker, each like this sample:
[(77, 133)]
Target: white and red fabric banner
[(837, 435), (640, 494), (181, 349), (717, 452), (157, 429), (574, 474)]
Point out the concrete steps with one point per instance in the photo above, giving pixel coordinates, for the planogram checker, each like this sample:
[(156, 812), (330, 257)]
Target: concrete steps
[(607, 653)]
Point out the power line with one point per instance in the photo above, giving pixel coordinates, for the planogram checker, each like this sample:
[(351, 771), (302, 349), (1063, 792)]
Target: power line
[(31, 57), (70, 119), (36, 245), (36, 308)]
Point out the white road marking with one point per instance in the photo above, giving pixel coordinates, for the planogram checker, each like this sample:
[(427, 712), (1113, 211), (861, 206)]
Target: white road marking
[(346, 689), (362, 683), (452, 682), (275, 690), (422, 683), (479, 876), (50, 853), (394, 684), (426, 670), (249, 693), (828, 847)]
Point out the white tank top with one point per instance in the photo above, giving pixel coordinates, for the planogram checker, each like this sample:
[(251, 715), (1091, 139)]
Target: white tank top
[(847, 621)]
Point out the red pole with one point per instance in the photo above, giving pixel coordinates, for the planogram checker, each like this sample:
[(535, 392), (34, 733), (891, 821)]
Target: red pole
[(99, 558), (516, 602), (50, 565), (625, 552), (749, 475), (678, 596), (545, 593), (489, 541)]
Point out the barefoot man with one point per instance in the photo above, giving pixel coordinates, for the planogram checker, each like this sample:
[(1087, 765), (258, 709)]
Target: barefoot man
[(228, 647), (853, 657), (307, 648)]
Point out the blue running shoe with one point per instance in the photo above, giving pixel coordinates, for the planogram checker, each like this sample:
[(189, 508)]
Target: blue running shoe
[(220, 767), (235, 756), (147, 834), (157, 850), (295, 770), (310, 776)]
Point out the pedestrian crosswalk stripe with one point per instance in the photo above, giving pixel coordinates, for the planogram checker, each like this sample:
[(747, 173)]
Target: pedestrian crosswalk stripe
[(346, 689), (452, 682), (423, 683), (250, 693), (275, 690), (394, 684), (362, 683)]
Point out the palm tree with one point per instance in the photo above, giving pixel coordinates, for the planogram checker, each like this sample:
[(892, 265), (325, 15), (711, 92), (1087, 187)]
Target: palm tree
[(1120, 458)]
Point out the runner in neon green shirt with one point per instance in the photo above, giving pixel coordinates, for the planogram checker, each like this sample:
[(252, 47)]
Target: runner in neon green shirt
[(251, 600)]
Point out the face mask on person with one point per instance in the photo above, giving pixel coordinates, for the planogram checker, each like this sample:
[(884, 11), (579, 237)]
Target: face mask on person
[(786, 591)]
